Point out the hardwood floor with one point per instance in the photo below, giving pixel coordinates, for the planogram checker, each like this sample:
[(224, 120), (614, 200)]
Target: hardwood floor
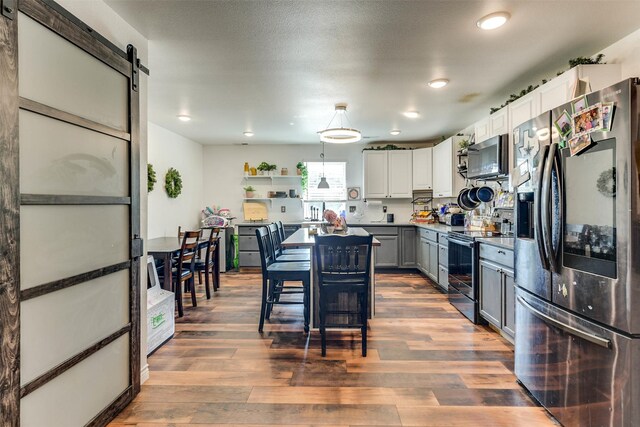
[(426, 366)]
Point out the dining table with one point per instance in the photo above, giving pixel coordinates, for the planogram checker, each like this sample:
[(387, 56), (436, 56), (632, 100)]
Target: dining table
[(302, 238), (165, 248)]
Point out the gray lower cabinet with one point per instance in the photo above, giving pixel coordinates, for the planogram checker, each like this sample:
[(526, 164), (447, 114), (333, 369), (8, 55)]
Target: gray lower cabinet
[(433, 261), (387, 252), (443, 263), (497, 293), (509, 322), (407, 247), (491, 293), (248, 252), (419, 263)]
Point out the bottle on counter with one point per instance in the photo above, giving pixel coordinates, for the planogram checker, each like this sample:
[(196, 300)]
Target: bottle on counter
[(246, 169)]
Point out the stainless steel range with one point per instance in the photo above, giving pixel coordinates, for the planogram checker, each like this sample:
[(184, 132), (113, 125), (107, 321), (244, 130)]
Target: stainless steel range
[(463, 272)]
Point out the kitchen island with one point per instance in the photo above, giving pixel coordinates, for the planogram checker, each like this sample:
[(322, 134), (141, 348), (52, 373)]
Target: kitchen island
[(302, 239)]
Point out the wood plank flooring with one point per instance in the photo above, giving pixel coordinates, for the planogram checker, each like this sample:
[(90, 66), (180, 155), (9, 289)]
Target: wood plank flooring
[(426, 366)]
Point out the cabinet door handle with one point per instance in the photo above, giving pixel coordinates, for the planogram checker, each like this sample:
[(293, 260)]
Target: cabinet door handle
[(501, 252)]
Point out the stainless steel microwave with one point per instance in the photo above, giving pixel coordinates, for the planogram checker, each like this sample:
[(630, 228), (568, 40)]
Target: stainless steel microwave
[(489, 158)]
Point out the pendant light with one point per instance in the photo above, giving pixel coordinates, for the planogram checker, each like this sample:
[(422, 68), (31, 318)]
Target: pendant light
[(323, 184), (339, 134)]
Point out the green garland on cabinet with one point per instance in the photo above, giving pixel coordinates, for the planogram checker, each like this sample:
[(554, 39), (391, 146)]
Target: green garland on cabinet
[(151, 178), (574, 62), (173, 183)]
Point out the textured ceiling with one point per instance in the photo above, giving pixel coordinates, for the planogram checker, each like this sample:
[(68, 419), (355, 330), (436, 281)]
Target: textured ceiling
[(278, 67)]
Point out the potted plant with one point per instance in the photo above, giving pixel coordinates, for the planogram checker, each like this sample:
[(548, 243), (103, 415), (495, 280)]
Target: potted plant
[(263, 168), (272, 170), (249, 192), (301, 170)]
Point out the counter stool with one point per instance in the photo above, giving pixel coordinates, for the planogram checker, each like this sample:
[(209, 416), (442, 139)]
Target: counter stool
[(289, 251), (274, 278), (344, 266), (278, 252)]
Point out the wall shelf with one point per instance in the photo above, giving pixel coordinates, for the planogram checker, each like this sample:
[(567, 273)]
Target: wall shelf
[(273, 178)]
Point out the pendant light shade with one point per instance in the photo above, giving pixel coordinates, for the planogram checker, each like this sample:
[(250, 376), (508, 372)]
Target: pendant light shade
[(323, 183), (338, 133)]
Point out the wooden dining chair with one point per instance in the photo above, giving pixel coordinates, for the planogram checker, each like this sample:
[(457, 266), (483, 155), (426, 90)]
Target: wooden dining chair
[(275, 276), (207, 265), (344, 267), (183, 272)]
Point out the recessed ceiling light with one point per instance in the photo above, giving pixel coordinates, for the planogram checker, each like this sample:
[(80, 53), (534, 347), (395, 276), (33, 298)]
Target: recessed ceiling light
[(438, 83), (493, 20), (184, 117), (395, 132), (411, 114), (248, 134), (291, 124)]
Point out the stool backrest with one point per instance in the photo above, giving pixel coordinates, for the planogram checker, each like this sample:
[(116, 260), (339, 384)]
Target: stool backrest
[(275, 239), (343, 258), (188, 248), (281, 230), (264, 245)]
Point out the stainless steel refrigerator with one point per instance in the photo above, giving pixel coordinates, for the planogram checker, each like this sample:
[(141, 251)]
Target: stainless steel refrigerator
[(577, 264)]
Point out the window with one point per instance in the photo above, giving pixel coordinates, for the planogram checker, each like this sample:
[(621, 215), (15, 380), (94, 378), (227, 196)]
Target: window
[(333, 197)]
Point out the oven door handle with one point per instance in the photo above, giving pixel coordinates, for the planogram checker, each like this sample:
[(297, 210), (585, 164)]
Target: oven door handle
[(461, 242), (602, 342)]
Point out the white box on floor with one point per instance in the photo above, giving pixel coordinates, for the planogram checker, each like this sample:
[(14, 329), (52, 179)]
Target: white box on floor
[(160, 311)]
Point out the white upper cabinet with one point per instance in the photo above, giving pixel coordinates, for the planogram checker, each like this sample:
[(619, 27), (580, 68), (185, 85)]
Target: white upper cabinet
[(400, 173), (375, 174), (388, 174), (481, 130), (423, 169), (499, 123), (524, 109), (446, 181)]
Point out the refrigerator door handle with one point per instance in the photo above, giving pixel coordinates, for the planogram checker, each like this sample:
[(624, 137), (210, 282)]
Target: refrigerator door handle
[(558, 242), (537, 221), (602, 342), (545, 206)]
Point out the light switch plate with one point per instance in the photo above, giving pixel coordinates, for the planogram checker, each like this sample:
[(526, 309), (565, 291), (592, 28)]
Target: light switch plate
[(283, 209)]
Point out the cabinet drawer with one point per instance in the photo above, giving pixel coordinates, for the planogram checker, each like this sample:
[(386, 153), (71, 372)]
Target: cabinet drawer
[(249, 259), (248, 230), (248, 243), (443, 238), (382, 231), (496, 254), (429, 234), (443, 277), (443, 255)]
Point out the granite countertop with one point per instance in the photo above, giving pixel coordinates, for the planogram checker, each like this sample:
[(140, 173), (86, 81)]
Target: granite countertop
[(441, 228), (502, 242)]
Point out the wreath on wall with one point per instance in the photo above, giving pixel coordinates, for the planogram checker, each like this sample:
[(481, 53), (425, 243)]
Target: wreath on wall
[(173, 183), (606, 183), (151, 178)]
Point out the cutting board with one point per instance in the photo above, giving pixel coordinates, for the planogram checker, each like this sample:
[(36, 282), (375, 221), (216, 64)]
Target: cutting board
[(255, 211)]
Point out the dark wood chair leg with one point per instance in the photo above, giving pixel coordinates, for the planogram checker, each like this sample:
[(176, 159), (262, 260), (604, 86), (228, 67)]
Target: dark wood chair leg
[(364, 315), (305, 300), (192, 283), (263, 306), (323, 330), (207, 288), (271, 297), (178, 292)]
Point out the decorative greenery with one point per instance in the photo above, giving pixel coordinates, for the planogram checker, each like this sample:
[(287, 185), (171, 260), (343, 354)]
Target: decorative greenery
[(304, 173), (606, 183), (464, 144), (249, 188), (151, 178), (580, 60), (265, 167), (173, 183), (386, 147)]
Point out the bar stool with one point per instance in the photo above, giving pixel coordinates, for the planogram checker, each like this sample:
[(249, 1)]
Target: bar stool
[(274, 278), (278, 252), (289, 251), (344, 266)]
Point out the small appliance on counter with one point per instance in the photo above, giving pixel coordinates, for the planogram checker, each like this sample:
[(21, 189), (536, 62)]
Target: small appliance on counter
[(390, 217), (454, 219)]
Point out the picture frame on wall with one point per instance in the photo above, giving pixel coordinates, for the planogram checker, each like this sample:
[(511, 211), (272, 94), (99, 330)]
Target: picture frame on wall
[(353, 193)]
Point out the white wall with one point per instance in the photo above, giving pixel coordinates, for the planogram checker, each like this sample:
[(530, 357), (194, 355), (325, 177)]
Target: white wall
[(223, 180), (625, 52), (170, 150)]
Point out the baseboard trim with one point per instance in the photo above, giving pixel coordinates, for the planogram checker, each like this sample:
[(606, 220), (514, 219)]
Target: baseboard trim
[(144, 373)]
